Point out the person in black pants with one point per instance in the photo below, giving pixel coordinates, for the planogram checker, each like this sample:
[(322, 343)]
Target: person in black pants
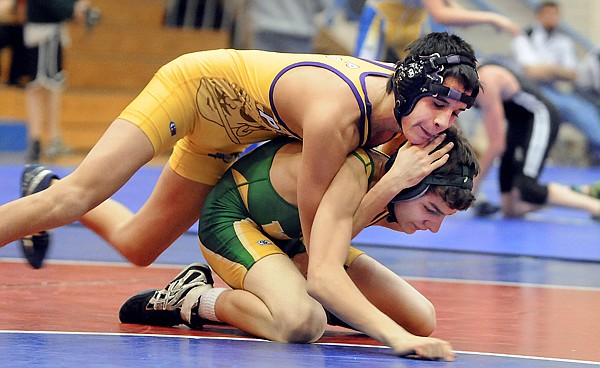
[(522, 143)]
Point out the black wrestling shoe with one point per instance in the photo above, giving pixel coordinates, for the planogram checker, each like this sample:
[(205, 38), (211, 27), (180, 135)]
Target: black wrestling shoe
[(34, 248), (141, 309), (163, 307), (35, 178)]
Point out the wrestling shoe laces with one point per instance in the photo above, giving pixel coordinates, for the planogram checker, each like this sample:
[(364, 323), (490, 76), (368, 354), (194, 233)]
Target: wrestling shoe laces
[(171, 297), (164, 307)]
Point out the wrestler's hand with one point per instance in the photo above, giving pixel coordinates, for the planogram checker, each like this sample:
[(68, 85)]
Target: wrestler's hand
[(424, 347), (414, 163), (502, 23)]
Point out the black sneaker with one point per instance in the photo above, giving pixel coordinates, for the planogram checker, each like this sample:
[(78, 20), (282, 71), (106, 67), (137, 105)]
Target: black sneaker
[(140, 310), (485, 209), (163, 307), (35, 178), (57, 148), (34, 248)]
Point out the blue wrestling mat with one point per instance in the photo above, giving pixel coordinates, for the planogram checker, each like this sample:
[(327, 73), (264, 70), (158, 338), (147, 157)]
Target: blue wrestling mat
[(552, 233), (122, 350)]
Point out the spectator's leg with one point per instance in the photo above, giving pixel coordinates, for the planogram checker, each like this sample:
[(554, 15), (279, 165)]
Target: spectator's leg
[(582, 114)]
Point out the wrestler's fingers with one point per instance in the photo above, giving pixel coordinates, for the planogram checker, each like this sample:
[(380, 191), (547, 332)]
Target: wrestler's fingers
[(442, 151), (439, 162), (432, 144)]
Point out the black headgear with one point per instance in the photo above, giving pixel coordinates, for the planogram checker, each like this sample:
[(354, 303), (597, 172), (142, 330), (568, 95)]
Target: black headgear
[(415, 78), (461, 176)]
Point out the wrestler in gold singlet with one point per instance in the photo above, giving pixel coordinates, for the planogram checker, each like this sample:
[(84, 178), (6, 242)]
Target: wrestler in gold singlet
[(213, 104)]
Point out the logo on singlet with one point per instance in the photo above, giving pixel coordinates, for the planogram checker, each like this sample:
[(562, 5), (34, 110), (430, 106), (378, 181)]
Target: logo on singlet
[(348, 64), (263, 242), (173, 129), (228, 105)]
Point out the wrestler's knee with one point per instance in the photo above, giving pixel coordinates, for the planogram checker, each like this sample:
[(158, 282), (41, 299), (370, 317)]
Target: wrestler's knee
[(531, 190), (426, 321), (303, 324)]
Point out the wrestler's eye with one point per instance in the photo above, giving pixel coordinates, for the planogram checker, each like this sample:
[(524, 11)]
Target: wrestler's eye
[(429, 210)]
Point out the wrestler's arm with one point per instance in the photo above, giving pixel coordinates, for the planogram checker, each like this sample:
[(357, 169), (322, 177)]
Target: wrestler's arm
[(324, 149), (329, 283), (448, 12), (317, 105)]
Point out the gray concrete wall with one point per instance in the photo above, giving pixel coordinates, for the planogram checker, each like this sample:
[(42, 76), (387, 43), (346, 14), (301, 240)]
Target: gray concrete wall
[(584, 16)]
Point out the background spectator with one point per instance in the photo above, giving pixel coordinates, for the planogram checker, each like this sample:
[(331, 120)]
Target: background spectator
[(12, 16), (277, 25), (521, 126), (45, 35), (387, 26), (548, 56)]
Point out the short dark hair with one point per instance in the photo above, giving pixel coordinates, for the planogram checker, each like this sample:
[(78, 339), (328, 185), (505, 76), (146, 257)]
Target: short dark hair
[(546, 4), (462, 154), (444, 44)]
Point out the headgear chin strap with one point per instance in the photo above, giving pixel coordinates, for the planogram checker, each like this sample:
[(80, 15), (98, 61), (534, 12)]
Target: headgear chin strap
[(421, 77), (461, 177)]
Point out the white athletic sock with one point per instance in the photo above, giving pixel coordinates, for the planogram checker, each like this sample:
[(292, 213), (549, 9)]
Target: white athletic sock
[(206, 309), (191, 300)]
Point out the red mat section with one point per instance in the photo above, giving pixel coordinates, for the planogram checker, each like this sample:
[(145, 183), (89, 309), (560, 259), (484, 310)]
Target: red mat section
[(480, 317)]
